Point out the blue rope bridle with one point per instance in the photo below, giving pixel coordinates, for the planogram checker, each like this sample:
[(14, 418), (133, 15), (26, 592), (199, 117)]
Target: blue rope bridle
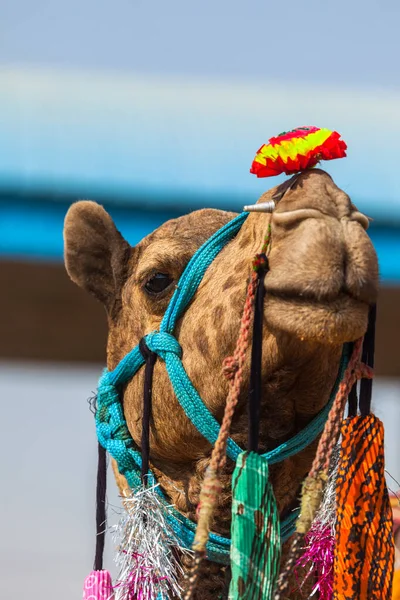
[(112, 430)]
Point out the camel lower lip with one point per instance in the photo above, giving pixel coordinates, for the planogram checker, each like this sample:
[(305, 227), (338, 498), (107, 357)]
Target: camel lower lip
[(339, 320)]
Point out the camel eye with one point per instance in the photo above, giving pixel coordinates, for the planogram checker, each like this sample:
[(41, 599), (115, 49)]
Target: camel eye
[(158, 283)]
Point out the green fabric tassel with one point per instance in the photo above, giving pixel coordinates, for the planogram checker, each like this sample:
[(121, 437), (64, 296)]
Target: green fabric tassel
[(255, 530)]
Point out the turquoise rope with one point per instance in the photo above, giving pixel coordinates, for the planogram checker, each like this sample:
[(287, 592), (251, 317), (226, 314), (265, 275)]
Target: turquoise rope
[(112, 430), (167, 347), (113, 434), (194, 272)]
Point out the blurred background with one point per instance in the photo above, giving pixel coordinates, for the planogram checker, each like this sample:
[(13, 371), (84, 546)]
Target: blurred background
[(155, 109)]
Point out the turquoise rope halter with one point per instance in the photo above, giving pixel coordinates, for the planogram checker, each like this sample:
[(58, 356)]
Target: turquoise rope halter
[(112, 430)]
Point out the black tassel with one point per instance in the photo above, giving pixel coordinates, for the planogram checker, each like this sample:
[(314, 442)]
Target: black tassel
[(256, 358), (150, 358), (101, 490), (367, 357)]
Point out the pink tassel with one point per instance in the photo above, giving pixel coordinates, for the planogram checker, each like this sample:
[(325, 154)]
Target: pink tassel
[(98, 586), (140, 583), (318, 556)]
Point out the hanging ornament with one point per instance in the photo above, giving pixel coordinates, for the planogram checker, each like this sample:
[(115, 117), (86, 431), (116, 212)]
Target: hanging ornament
[(147, 549), (98, 586), (364, 547), (297, 150), (255, 530), (317, 559)]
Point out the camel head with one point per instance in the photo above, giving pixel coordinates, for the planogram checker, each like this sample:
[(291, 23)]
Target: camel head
[(323, 277)]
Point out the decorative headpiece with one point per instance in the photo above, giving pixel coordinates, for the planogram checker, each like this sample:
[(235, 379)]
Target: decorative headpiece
[(297, 150)]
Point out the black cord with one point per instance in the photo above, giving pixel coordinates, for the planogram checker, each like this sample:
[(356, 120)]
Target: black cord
[(367, 357), (101, 489), (150, 358), (353, 401), (256, 360)]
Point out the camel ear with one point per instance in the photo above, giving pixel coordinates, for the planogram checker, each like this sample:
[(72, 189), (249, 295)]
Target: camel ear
[(96, 255)]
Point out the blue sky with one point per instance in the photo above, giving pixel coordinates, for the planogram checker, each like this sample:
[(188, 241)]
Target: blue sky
[(345, 42), (170, 100), (133, 94)]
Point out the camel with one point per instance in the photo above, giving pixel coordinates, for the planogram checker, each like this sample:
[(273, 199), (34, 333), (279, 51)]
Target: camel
[(323, 277)]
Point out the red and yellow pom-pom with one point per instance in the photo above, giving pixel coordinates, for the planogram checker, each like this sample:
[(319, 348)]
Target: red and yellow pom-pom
[(296, 150)]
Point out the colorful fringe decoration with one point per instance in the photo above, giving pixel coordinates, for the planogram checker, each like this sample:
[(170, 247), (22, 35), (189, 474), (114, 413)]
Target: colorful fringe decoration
[(316, 563), (319, 558), (98, 586), (147, 549), (296, 150), (255, 530), (364, 547)]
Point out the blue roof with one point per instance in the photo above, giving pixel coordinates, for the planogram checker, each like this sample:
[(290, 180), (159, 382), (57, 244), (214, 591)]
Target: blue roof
[(34, 231)]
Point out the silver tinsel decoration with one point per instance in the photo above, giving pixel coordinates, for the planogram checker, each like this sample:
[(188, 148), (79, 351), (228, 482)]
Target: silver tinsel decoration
[(317, 558), (326, 514), (147, 549)]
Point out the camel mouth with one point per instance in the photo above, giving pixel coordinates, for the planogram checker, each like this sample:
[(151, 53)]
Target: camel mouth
[(331, 302), (339, 319)]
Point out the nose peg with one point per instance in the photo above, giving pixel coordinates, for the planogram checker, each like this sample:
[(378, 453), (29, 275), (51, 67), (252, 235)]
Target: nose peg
[(264, 207)]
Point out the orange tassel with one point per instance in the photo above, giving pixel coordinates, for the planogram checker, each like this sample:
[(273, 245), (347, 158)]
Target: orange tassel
[(364, 552)]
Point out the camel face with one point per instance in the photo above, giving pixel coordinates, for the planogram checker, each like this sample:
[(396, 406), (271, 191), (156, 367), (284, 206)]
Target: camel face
[(323, 277)]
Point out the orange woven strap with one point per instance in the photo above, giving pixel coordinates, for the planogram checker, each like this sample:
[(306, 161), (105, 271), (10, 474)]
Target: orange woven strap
[(364, 548)]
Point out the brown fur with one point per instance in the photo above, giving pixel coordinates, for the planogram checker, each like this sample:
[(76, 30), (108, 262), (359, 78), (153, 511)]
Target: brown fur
[(323, 277)]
